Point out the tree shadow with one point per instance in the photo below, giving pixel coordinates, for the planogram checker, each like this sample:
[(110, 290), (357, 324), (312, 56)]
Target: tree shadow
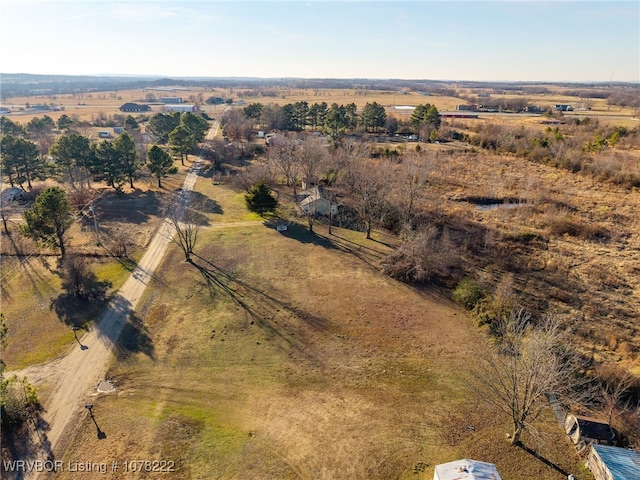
[(135, 207), (27, 442), (204, 204), (74, 310), (261, 308), (544, 460)]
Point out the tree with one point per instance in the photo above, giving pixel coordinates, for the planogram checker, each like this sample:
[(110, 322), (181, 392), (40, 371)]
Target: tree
[(253, 110), (530, 363), (64, 122), (72, 154), (425, 118), (317, 115), (107, 166), (160, 163), (131, 124), (48, 220), (196, 125), (20, 160), (9, 127), (161, 125), (373, 116), (284, 158), (260, 199), (127, 157), (368, 185), (181, 142), (17, 396), (186, 221)]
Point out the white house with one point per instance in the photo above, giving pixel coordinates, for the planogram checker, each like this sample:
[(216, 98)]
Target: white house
[(466, 470), (180, 107), (316, 201)]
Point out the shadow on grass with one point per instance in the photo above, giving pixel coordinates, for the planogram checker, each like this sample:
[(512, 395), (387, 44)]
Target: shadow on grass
[(27, 441), (75, 309), (204, 204), (295, 231), (261, 308), (544, 460)]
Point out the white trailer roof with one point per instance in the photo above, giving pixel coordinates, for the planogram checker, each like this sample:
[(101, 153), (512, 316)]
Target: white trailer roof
[(466, 470)]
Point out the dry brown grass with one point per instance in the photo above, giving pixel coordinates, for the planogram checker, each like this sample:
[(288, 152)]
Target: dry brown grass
[(321, 367)]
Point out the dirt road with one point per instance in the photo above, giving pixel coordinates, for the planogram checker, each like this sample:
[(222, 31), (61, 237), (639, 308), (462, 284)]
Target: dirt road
[(74, 378)]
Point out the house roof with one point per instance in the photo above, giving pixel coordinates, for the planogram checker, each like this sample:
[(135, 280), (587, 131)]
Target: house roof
[(314, 193), (466, 470), (624, 464), (593, 428)]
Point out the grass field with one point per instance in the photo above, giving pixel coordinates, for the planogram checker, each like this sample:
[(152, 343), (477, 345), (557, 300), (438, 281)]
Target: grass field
[(288, 355)]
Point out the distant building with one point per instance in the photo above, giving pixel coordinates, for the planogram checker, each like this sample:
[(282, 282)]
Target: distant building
[(484, 95), (4, 111), (104, 134), (468, 108), (458, 115), (134, 107), (564, 108), (180, 108), (171, 99), (118, 129)]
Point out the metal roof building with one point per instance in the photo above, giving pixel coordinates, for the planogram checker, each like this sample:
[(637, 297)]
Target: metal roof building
[(613, 463), (466, 470)]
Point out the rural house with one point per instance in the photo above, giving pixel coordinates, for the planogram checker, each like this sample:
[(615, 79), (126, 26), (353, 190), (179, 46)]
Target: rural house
[(317, 201), (134, 107), (613, 463), (466, 470)]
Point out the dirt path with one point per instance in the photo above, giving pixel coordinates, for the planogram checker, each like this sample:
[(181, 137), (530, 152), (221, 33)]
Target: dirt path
[(73, 379)]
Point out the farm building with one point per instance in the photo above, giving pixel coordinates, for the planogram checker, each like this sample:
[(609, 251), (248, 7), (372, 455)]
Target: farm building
[(134, 107), (564, 108), (588, 430), (466, 470), (317, 201), (180, 108), (613, 463), (171, 99), (468, 108), (458, 115)]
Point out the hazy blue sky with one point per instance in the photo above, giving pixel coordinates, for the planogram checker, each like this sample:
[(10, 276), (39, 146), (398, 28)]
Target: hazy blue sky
[(454, 40)]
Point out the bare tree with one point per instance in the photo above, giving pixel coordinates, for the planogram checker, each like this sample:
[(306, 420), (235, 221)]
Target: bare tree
[(312, 159), (284, 158), (413, 180), (530, 363), (186, 220), (368, 185)]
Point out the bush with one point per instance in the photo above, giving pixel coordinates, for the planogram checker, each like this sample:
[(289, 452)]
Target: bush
[(468, 293)]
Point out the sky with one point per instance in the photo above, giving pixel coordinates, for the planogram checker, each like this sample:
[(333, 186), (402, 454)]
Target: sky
[(562, 40)]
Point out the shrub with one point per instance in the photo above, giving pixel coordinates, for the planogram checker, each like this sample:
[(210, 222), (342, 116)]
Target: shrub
[(468, 293)]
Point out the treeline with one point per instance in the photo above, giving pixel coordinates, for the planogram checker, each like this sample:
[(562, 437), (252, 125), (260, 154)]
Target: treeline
[(34, 151), (334, 121)]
